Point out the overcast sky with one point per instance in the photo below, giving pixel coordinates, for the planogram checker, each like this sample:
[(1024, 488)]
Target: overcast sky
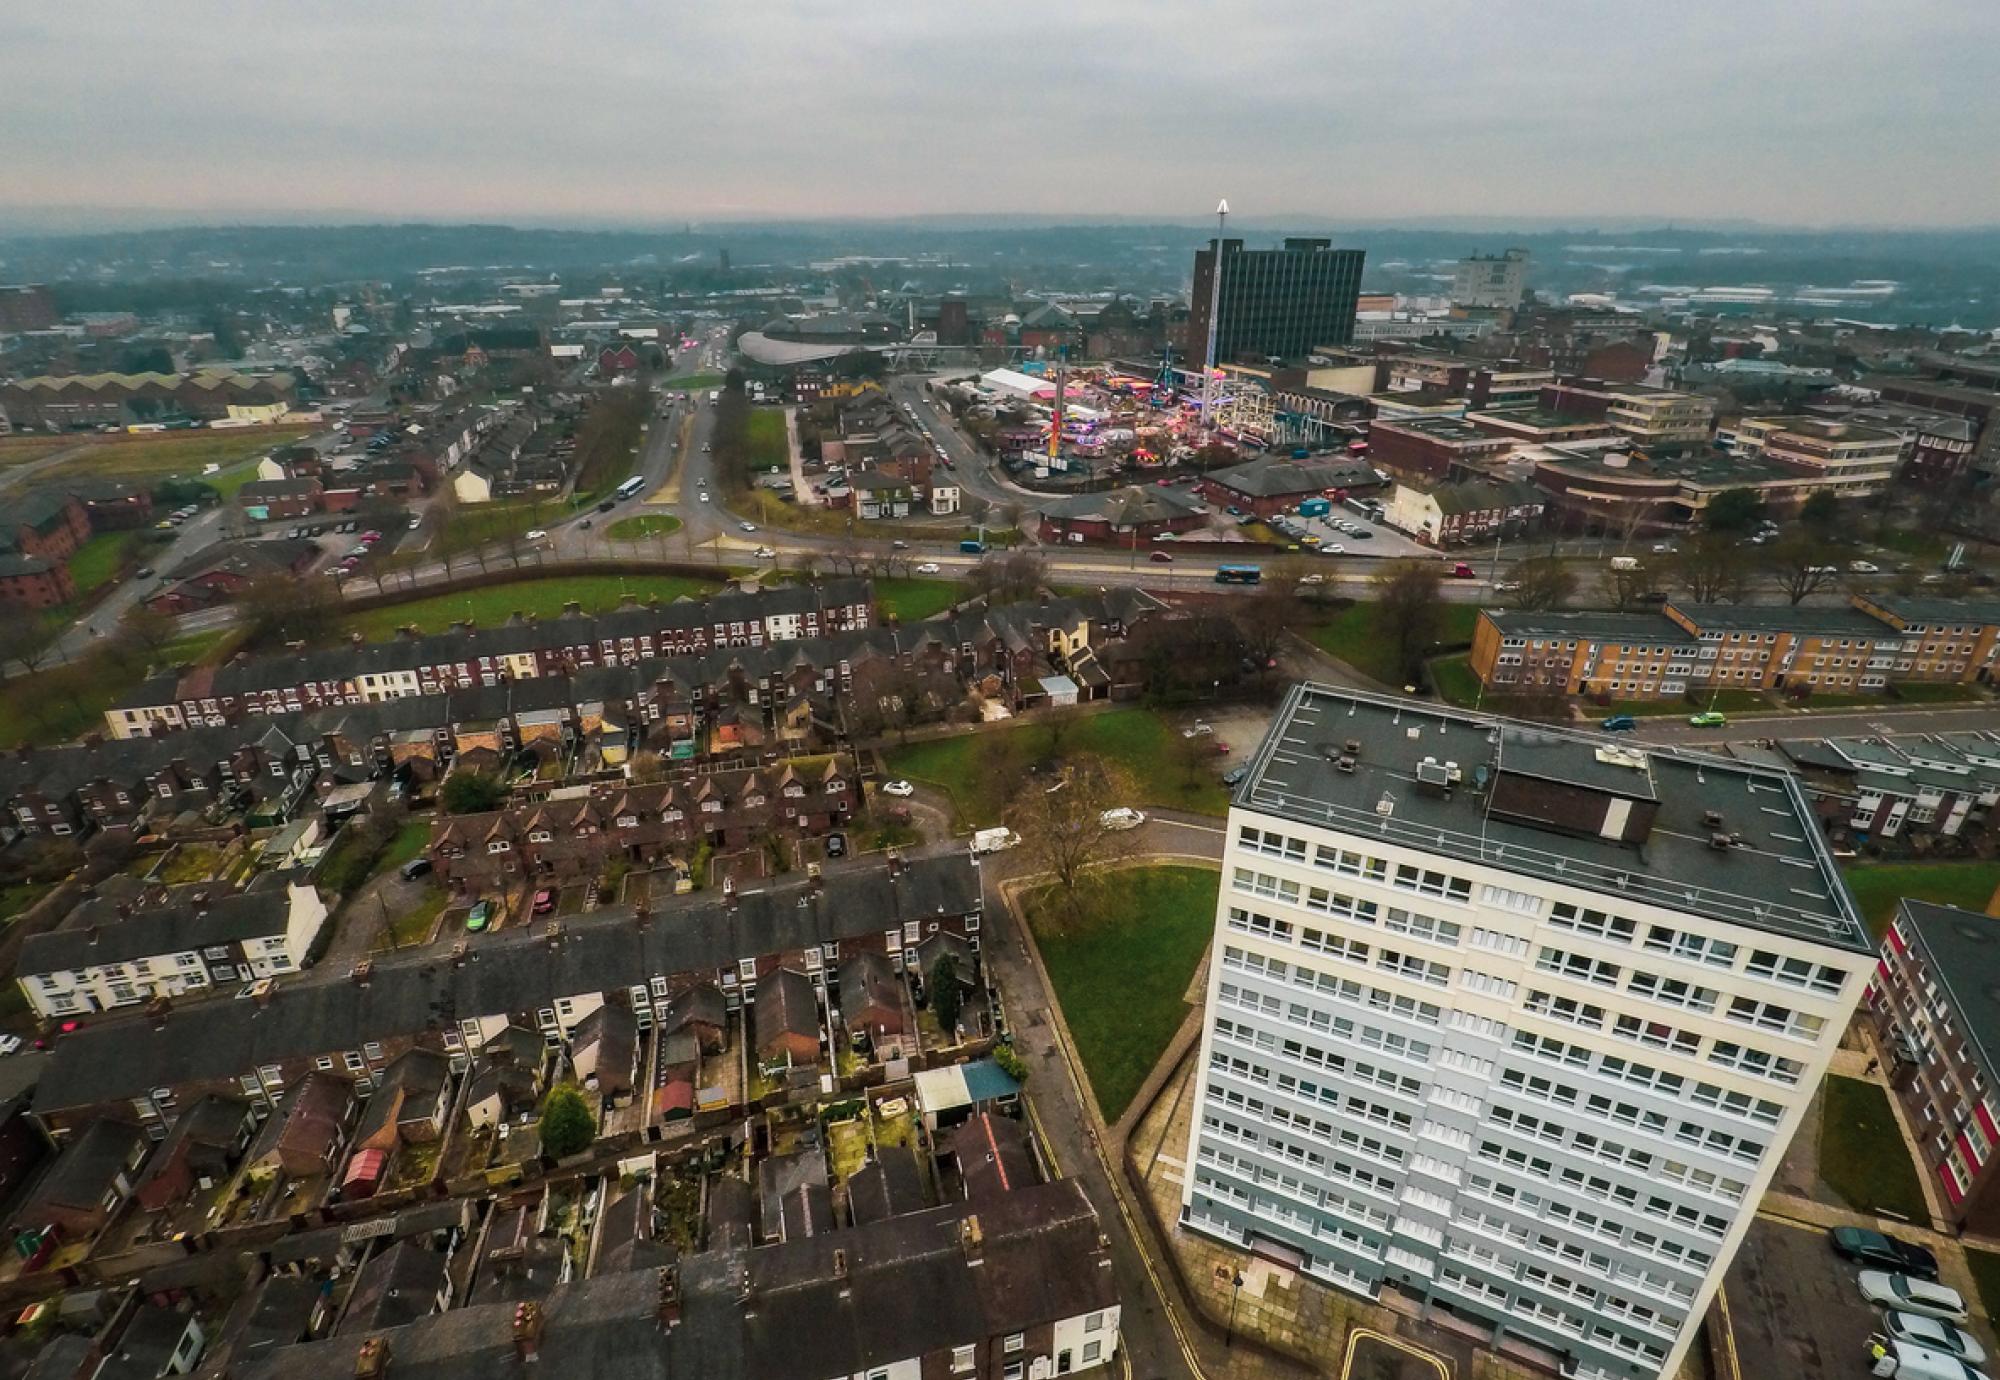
[(1786, 111)]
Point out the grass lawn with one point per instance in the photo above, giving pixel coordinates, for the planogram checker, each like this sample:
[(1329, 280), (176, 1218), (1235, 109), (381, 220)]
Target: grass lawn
[(16, 899), (410, 840), (543, 597), (61, 702), (693, 383), (1878, 886), (768, 449), (182, 453), (97, 561), (1136, 740), (1121, 971), (1454, 681), (1927, 692), (1985, 1267), (1354, 636), (915, 598), (229, 481), (1861, 1153), (477, 524), (645, 525), (19, 450)]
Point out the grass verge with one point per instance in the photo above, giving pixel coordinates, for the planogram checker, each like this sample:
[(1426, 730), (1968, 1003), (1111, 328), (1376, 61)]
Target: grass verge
[(645, 525), (913, 599), (1121, 969), (541, 597), (97, 562), (1878, 886), (1356, 636), (1862, 1157), (1137, 741)]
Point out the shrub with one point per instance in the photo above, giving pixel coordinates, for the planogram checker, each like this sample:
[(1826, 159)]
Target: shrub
[(567, 1125)]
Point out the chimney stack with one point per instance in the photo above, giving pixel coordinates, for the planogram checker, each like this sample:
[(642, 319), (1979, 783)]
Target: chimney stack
[(156, 1011), (360, 972), (528, 1330), (895, 863), (729, 893), (372, 1361), (261, 993), (971, 1240)]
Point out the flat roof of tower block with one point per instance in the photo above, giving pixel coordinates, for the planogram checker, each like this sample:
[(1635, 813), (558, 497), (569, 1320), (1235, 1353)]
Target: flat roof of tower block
[(1705, 835)]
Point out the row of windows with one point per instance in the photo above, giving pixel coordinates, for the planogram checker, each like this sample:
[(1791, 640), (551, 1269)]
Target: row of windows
[(1690, 1133), (1617, 1227), (1402, 876), (1688, 1216)]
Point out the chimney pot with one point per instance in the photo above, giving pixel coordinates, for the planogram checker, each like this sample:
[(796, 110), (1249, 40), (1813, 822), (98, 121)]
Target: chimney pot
[(527, 1330), (372, 1361)]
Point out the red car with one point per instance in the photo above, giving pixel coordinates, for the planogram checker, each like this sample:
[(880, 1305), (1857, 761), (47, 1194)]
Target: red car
[(545, 901)]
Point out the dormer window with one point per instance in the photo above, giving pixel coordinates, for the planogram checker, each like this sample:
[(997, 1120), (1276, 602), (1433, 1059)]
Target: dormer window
[(539, 836), (499, 846)]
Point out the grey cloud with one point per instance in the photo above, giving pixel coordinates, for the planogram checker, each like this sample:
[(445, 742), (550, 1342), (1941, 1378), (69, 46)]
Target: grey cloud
[(1784, 110)]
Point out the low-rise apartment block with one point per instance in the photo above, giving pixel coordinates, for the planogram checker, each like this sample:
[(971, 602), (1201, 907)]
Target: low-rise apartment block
[(1511, 1021), (1650, 416), (1877, 641), (1933, 1003)]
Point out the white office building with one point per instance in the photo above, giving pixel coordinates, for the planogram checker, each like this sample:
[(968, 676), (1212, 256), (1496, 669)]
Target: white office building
[(1514, 1020)]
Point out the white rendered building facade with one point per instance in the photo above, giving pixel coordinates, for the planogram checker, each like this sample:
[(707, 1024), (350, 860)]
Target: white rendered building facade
[(1517, 1021)]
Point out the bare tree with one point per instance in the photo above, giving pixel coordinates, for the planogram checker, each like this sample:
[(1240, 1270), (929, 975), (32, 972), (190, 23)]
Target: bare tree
[(1064, 827), (1409, 610), (1801, 564), (1709, 568), (149, 629), (1626, 585), (1270, 611), (1545, 583)]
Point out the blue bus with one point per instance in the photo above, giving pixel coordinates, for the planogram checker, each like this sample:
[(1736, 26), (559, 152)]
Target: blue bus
[(1239, 574)]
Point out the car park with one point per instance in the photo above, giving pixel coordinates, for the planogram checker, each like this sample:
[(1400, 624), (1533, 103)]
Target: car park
[(1883, 1252), (1933, 1335), (898, 788), (1907, 1295)]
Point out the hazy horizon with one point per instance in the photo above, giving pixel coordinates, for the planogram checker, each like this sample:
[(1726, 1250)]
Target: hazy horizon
[(1792, 114)]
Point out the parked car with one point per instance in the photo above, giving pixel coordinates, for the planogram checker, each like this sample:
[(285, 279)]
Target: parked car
[(144, 572), (1907, 1361), (765, 553), (1934, 1336), (415, 868), (1883, 1252), (416, 521), (898, 788), (1907, 1295), (545, 900), (1235, 774), (1863, 567), (482, 911), (1121, 818), (1197, 729), (9, 1044), (1709, 718), (1161, 558), (836, 845), (929, 568), (1619, 723)]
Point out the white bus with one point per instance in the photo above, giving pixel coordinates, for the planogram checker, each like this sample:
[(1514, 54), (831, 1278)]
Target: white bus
[(631, 487)]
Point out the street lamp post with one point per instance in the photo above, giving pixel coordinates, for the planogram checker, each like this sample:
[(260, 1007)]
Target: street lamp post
[(1235, 1292)]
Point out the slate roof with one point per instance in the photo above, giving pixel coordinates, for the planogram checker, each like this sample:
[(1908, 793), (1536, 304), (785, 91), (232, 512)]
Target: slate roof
[(516, 971), (1271, 477), (83, 1173), (887, 1187), (396, 1286), (94, 933), (909, 1288)]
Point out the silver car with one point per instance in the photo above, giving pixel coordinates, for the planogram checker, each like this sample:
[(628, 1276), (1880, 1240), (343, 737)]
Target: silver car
[(1906, 1295), (1934, 1335)]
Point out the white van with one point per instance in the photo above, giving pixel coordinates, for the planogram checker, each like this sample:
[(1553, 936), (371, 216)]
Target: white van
[(994, 840), (1912, 1362), (1624, 562)]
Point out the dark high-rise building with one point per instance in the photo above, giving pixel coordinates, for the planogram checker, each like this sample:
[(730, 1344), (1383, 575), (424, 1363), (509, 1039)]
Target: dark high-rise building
[(1276, 301)]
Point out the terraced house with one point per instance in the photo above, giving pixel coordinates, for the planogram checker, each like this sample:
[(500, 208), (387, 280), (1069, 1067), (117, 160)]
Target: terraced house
[(546, 978)]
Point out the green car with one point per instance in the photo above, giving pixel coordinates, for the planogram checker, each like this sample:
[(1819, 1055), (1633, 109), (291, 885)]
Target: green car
[(481, 913), (1709, 718)]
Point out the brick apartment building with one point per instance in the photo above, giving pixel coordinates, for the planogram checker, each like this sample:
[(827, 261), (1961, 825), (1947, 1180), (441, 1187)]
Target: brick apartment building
[(30, 582), (1933, 1004)]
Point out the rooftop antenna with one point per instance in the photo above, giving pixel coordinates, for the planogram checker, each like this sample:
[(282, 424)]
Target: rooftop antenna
[(1214, 315)]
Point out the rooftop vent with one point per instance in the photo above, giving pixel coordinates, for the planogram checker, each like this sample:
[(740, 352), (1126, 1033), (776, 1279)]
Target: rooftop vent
[(1386, 806), (1344, 762)]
